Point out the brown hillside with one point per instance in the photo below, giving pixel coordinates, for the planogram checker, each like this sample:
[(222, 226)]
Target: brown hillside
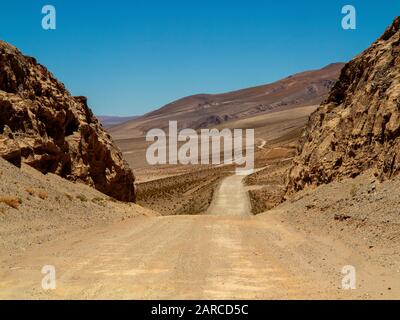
[(205, 110)]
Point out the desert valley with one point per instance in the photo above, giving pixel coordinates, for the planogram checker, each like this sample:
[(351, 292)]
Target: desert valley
[(78, 193)]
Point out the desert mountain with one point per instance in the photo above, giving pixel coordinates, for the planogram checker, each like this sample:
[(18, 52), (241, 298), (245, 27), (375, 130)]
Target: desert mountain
[(111, 121), (358, 126), (203, 110), (42, 125)]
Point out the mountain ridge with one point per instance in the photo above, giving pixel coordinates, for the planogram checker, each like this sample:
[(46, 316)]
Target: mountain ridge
[(204, 110), (110, 121)]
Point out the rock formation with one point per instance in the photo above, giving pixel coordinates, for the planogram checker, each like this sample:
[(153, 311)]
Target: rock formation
[(358, 126), (42, 125)]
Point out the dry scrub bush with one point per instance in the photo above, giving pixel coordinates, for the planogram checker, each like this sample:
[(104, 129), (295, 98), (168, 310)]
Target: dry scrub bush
[(12, 202), (69, 197), (43, 195), (82, 197), (354, 190), (30, 191)]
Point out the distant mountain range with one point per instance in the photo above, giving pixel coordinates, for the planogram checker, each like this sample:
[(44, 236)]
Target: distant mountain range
[(110, 121), (205, 110)]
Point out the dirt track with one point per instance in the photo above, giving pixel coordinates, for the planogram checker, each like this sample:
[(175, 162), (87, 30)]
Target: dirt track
[(231, 198), (185, 257), (190, 257)]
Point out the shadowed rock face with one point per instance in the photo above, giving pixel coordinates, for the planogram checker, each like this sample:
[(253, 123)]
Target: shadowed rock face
[(42, 125), (358, 126)]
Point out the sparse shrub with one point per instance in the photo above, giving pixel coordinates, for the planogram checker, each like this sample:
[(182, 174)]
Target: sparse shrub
[(43, 195), (354, 190), (31, 191), (81, 197), (12, 202), (99, 201), (69, 197), (341, 217)]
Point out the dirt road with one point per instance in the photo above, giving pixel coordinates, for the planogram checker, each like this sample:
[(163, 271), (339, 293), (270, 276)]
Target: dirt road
[(231, 198), (184, 258), (168, 257), (229, 255)]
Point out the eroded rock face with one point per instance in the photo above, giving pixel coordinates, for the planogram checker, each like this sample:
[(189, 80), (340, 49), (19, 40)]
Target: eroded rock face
[(42, 125), (358, 126)]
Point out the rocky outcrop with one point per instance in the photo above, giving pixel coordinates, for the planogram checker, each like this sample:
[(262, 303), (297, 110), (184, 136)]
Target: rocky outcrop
[(42, 125), (358, 126)]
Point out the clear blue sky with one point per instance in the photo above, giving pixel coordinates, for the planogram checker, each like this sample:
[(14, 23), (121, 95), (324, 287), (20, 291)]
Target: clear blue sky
[(130, 57)]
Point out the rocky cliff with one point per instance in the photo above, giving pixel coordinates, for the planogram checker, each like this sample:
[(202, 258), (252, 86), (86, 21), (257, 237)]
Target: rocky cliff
[(42, 125), (358, 126)]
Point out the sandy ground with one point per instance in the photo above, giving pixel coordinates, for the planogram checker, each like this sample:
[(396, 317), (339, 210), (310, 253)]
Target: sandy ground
[(193, 257), (221, 256), (37, 208)]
